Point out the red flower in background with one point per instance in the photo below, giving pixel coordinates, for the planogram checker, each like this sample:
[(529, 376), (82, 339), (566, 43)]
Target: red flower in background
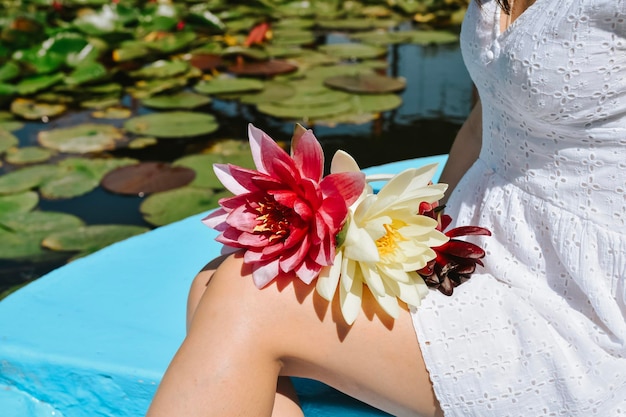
[(456, 259)]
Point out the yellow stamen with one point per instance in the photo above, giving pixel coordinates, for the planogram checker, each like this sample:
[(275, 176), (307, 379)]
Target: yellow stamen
[(388, 244), (273, 220)]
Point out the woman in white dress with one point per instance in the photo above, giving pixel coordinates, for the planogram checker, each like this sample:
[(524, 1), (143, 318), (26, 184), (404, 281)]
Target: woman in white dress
[(541, 330)]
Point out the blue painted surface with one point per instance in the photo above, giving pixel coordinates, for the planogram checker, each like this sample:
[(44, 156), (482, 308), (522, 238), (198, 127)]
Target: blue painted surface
[(94, 337)]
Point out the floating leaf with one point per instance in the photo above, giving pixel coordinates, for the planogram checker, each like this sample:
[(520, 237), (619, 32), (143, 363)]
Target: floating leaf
[(145, 89), (101, 102), (311, 112), (86, 73), (353, 50), (7, 140), (26, 178), (22, 202), (285, 37), (83, 138), (21, 233), (366, 83), (9, 71), (37, 83), (273, 91), (169, 42), (97, 167), (10, 125), (262, 68), (90, 238), (382, 37), (229, 86), (68, 184), (180, 100), (175, 124), (141, 143), (28, 155), (146, 178), (113, 112), (206, 62), (347, 24), (202, 165), (162, 69), (40, 62), (33, 110), (169, 206)]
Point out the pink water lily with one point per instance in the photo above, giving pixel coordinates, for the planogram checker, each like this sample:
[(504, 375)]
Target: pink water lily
[(285, 214)]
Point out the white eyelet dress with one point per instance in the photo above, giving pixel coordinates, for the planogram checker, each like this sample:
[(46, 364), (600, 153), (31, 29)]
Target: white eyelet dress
[(541, 330)]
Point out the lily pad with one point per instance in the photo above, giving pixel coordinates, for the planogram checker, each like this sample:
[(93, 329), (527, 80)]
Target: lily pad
[(353, 50), (26, 178), (146, 178), (22, 202), (229, 86), (304, 112), (33, 110), (180, 100), (113, 112), (202, 165), (37, 83), (162, 69), (141, 143), (9, 71), (382, 37), (144, 89), (78, 176), (11, 125), (169, 42), (90, 238), (169, 206), (28, 155), (7, 140), (83, 138), (273, 91), (366, 83), (262, 68), (174, 124), (21, 233), (206, 62), (86, 73)]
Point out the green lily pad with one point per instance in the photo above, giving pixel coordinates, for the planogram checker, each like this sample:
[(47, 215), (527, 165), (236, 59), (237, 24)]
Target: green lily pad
[(293, 23), (327, 71), (89, 53), (39, 62), (366, 83), (68, 184), (305, 112), (147, 178), (169, 206), (7, 140), (114, 112), (26, 178), (141, 143), (9, 71), (96, 167), (21, 233), (11, 125), (31, 85), (86, 73), (162, 69), (170, 42), (353, 50), (145, 89), (202, 164), (129, 51), (90, 238), (229, 86), (22, 202), (273, 91), (291, 37), (83, 138), (101, 102), (347, 24), (174, 124), (180, 100), (34, 110), (317, 98), (28, 155), (365, 103)]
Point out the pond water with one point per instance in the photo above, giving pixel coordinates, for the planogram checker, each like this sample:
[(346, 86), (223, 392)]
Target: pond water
[(436, 100)]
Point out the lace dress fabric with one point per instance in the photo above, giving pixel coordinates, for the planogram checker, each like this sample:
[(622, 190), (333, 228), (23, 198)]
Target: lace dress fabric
[(541, 330)]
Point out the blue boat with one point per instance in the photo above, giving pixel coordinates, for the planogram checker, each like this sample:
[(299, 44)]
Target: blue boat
[(93, 338)]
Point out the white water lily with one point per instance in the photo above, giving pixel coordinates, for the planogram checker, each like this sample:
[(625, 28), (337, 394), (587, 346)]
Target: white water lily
[(386, 242)]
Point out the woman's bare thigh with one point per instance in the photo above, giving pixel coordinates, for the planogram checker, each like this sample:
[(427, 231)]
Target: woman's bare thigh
[(376, 360)]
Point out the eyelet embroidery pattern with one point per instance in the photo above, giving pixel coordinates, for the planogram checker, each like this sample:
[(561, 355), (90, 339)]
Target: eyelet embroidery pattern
[(541, 330)]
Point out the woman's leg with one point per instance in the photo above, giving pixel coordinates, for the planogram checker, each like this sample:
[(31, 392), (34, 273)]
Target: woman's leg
[(286, 402), (241, 339)]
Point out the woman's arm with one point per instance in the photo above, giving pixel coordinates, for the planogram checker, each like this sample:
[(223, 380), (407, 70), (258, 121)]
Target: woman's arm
[(465, 149)]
